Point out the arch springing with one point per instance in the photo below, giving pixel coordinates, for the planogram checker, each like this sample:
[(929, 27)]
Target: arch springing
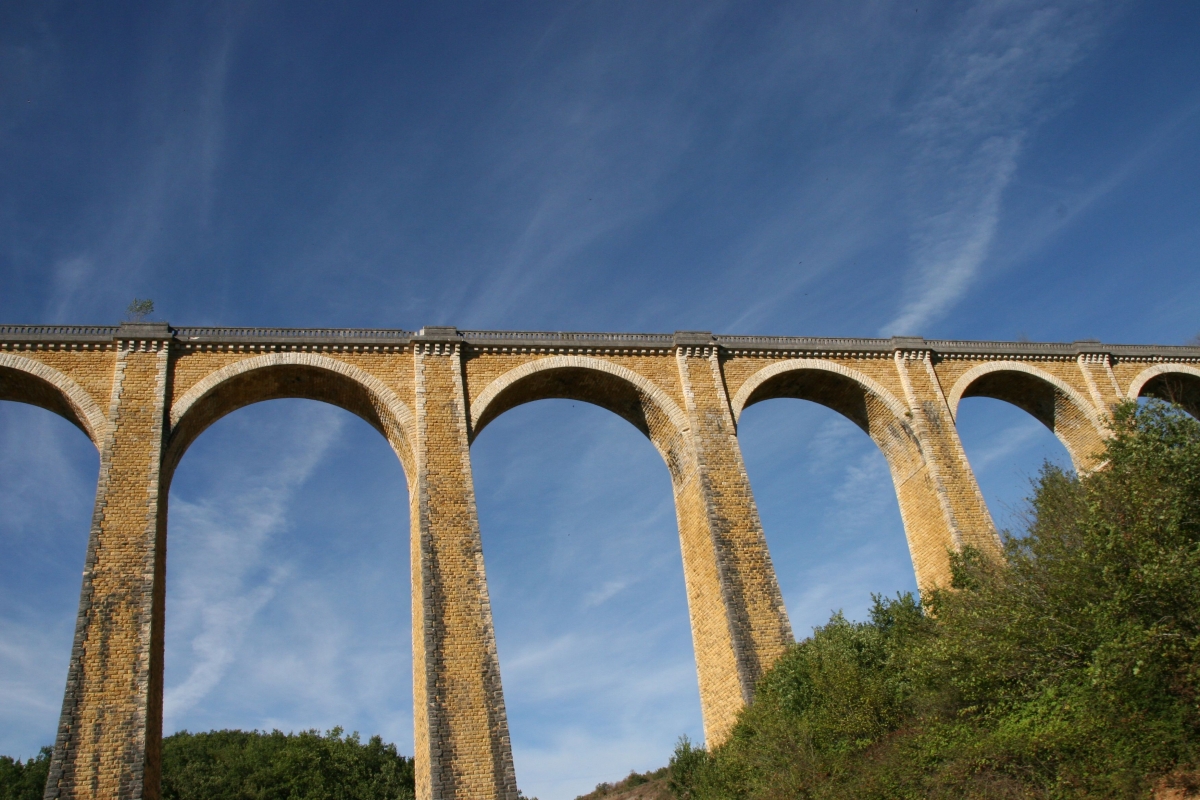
[(26, 380)]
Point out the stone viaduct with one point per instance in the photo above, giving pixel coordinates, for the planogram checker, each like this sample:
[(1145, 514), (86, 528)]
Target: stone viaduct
[(143, 392)]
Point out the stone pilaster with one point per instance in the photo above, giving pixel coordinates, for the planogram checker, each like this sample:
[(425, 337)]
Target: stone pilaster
[(1095, 364), (965, 520), (462, 743), (739, 623), (110, 732)]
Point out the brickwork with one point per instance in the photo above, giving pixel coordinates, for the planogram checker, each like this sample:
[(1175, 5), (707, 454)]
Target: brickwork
[(39, 381), (110, 731), (1044, 390), (462, 737), (143, 393), (759, 630), (1178, 383)]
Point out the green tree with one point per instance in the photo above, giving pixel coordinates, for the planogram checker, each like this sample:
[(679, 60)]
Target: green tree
[(1070, 669), (24, 781), (241, 765)]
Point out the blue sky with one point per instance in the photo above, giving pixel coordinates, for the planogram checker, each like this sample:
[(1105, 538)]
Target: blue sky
[(979, 171)]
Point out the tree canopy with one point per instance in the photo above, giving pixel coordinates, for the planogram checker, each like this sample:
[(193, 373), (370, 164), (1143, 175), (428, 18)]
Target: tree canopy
[(241, 765), (254, 765), (1069, 669)]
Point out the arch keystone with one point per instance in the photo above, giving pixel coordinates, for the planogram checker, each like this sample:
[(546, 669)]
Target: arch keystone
[(765, 374), (481, 404)]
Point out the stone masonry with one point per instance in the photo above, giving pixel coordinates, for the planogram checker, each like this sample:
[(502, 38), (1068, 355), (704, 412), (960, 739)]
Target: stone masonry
[(143, 392)]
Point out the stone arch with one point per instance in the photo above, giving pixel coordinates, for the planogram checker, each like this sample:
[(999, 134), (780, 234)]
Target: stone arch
[(618, 389), (1048, 399), (1175, 383), (927, 526), (749, 394), (26, 380), (858, 397), (290, 375), (849, 392)]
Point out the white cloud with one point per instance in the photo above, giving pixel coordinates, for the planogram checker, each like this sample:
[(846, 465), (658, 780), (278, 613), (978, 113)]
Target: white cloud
[(984, 93), (1009, 441)]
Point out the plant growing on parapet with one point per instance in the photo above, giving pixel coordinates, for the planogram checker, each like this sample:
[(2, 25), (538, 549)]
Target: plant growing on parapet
[(139, 309)]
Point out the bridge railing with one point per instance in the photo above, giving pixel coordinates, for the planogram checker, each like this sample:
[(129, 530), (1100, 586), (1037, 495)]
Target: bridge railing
[(289, 334), (568, 337), (71, 334), (106, 332)]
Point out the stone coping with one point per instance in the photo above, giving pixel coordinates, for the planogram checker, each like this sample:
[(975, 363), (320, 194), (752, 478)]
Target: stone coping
[(89, 334)]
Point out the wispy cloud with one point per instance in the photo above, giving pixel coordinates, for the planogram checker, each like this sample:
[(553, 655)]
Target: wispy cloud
[(985, 92), (227, 581), (32, 674), (1009, 441), (1074, 205), (609, 590)]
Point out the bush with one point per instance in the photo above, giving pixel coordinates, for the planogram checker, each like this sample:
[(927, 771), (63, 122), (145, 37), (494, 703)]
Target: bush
[(1069, 670)]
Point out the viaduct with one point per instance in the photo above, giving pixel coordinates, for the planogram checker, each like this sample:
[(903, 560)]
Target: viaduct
[(143, 393)]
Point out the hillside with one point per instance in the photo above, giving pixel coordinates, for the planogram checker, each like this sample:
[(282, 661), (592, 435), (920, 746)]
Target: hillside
[(637, 786)]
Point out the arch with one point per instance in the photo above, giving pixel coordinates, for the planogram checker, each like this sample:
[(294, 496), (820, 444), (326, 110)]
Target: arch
[(27, 380), (856, 396), (300, 375), (1048, 399), (622, 391), (930, 525), (1175, 383), (748, 395)]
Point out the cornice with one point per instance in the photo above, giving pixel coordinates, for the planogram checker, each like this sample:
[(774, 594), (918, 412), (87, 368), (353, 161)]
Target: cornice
[(20, 337)]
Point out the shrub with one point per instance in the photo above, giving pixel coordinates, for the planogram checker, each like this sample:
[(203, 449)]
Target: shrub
[(1071, 669)]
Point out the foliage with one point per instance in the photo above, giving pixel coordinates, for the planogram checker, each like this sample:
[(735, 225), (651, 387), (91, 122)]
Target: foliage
[(630, 782), (1070, 670), (240, 765), (684, 767), (24, 781), (138, 309)]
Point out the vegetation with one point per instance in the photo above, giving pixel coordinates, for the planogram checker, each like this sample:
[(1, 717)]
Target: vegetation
[(1070, 670), (138, 309), (240, 765), (24, 781), (653, 781)]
